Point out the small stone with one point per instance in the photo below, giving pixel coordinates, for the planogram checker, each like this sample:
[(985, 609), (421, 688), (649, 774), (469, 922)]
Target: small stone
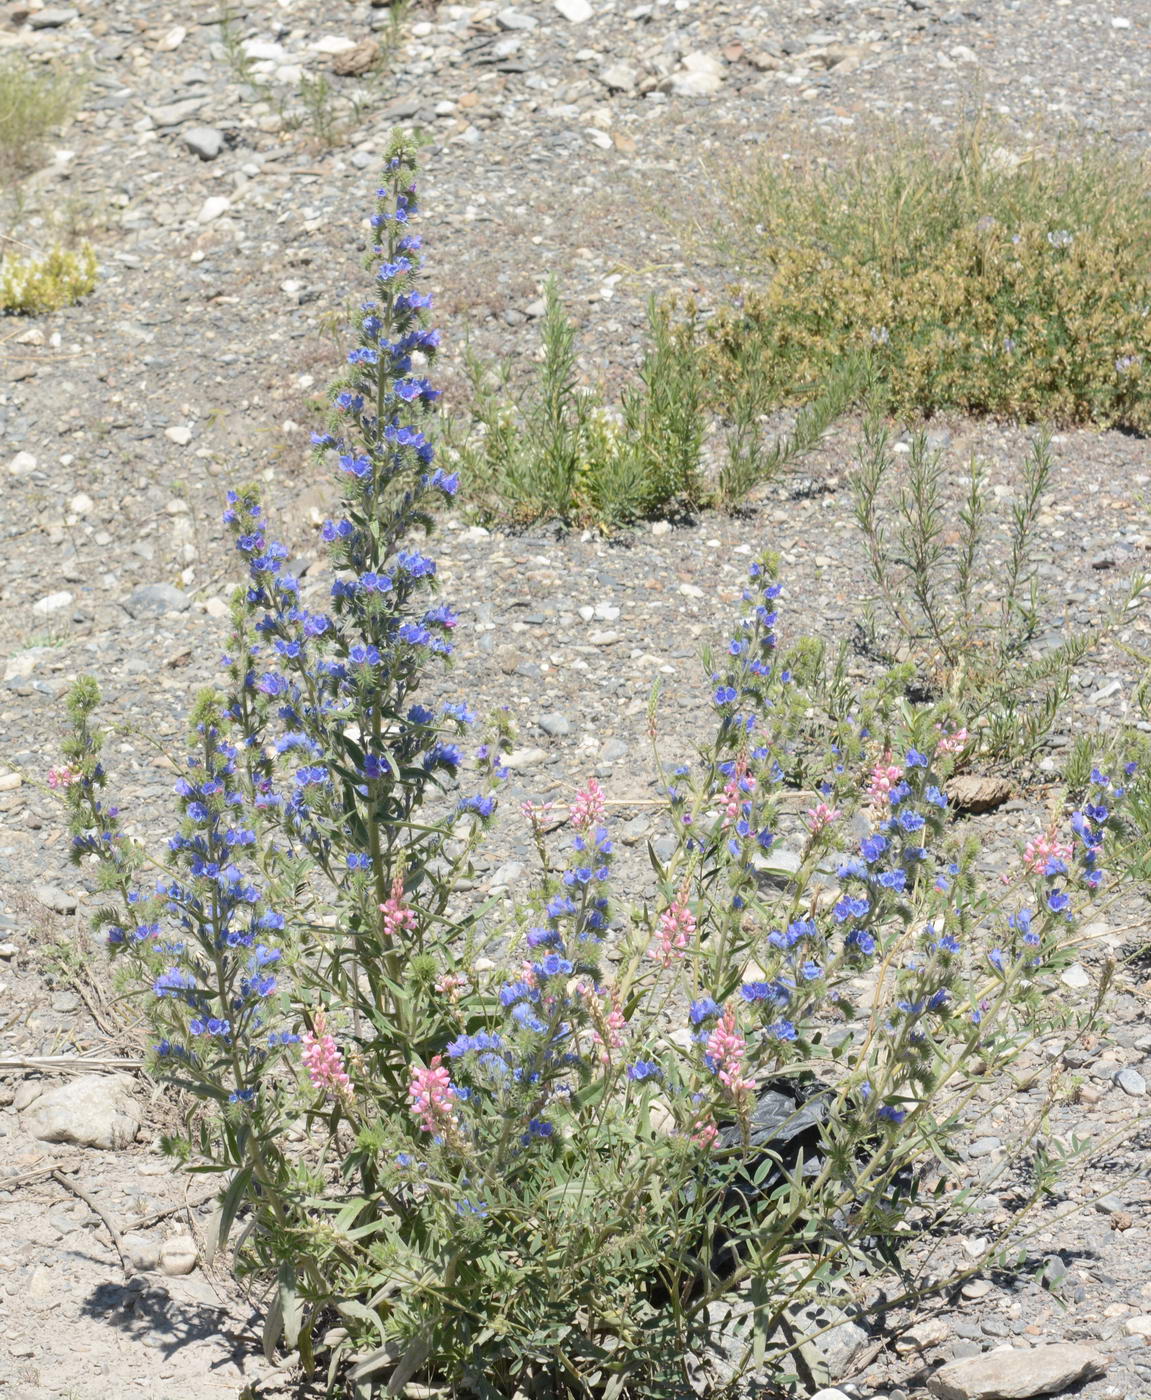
[(54, 898), (516, 19), (204, 141), (217, 607), (661, 527), (179, 434), (970, 792), (333, 44), (574, 11), (924, 1335), (695, 83), (1075, 976), (51, 602), (619, 77), (175, 113), (81, 504), (172, 39), (613, 750), (52, 18), (1131, 1082), (8, 951), (94, 1111), (831, 1393), (1139, 1326), (604, 639), (1017, 1374), (1108, 1205), (155, 599), (143, 1252), (508, 874), (357, 60), (22, 464), (178, 1256), (983, 1147), (520, 759), (557, 726), (9, 782), (213, 207)]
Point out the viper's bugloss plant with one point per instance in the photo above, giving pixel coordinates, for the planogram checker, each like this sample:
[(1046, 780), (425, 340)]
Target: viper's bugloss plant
[(582, 1148)]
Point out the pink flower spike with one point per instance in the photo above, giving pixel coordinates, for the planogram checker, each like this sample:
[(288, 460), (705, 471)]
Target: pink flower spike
[(726, 1048), (884, 777), (588, 807), (431, 1096), (397, 916), (950, 743), (821, 816), (62, 777), (1042, 850), (322, 1059), (704, 1132), (676, 930)]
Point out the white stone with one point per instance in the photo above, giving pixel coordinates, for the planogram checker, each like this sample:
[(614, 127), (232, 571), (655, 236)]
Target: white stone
[(51, 603), (524, 758), (217, 607), (172, 39), (1075, 976), (22, 464), (333, 44), (1139, 1326), (698, 62), (94, 1111), (574, 11), (1119, 22), (213, 207), (264, 50), (1016, 1373), (81, 504), (691, 590), (178, 1256), (694, 84), (9, 782), (181, 435), (143, 1251), (598, 138), (831, 1393)]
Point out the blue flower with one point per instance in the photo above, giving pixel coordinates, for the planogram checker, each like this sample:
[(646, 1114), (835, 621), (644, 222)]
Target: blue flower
[(643, 1069), (703, 1010)]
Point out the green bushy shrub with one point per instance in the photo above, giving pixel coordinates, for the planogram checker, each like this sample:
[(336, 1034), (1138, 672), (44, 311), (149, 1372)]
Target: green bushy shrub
[(973, 281)]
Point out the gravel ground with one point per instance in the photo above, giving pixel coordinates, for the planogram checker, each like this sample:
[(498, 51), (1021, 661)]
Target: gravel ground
[(580, 138)]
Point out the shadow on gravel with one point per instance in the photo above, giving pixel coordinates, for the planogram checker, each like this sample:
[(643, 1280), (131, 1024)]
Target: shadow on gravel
[(148, 1313)]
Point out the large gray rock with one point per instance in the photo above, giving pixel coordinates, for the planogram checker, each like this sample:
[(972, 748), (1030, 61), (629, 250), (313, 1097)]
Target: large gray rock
[(1017, 1373), (94, 1111), (204, 141), (155, 599)]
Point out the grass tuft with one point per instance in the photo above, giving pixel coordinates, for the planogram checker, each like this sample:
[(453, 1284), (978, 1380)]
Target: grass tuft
[(33, 102), (34, 285)]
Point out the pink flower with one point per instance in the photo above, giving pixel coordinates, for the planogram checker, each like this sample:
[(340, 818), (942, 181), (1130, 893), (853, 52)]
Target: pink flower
[(588, 807), (676, 930), (610, 1027), (322, 1059), (1042, 849), (820, 816), (397, 916), (950, 743), (62, 777), (884, 776), (431, 1096), (704, 1132), (738, 788), (726, 1048)]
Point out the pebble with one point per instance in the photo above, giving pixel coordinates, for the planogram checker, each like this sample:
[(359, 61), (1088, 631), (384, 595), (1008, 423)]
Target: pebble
[(519, 759), (22, 464), (574, 11), (204, 141), (516, 19), (51, 18), (1139, 1326), (1075, 976), (1131, 1082), (181, 435), (54, 898), (178, 1256), (9, 782), (155, 599), (143, 1252), (555, 725), (51, 602), (213, 207)]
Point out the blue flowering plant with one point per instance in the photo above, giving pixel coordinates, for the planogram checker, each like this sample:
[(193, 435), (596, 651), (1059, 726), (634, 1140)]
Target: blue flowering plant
[(551, 1151)]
